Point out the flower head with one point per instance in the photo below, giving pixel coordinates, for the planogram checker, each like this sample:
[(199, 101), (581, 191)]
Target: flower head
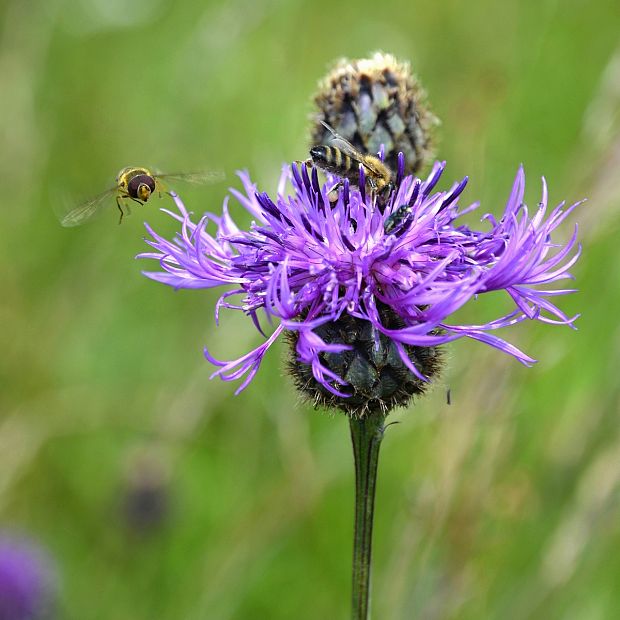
[(26, 581), (395, 267)]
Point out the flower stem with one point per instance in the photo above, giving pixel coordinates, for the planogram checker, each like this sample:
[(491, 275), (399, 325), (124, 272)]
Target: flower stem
[(366, 435)]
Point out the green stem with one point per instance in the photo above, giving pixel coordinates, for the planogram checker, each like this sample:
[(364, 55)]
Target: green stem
[(366, 435)]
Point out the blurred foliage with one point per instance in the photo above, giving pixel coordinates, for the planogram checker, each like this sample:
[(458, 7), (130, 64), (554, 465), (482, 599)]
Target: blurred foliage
[(503, 505)]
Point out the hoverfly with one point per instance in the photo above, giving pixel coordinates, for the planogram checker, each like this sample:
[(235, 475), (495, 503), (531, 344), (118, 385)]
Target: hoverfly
[(137, 184), (341, 158)]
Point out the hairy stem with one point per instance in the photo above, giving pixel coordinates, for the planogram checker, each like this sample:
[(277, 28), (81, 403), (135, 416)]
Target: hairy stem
[(366, 435)]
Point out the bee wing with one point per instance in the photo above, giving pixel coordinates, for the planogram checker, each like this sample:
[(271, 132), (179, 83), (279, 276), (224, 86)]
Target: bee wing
[(334, 133), (342, 143), (198, 178), (346, 147), (81, 213)]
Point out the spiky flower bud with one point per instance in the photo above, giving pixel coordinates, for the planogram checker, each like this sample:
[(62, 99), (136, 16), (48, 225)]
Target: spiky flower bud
[(376, 102)]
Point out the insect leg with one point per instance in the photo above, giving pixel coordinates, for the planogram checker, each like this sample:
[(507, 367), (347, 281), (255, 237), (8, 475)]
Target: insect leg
[(118, 204), (383, 196)]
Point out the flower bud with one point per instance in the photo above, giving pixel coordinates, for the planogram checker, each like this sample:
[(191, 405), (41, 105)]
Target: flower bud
[(375, 102)]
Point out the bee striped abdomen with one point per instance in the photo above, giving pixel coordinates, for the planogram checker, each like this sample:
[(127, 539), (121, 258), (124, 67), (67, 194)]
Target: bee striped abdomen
[(327, 158), (334, 160), (320, 155)]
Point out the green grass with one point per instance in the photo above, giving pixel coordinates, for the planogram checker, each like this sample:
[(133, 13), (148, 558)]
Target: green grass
[(503, 505)]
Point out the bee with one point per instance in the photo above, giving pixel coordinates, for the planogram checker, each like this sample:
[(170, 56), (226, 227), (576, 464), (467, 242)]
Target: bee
[(137, 184), (397, 219), (341, 158)]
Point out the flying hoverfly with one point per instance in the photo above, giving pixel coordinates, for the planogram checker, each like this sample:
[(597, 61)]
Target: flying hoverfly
[(137, 184), (341, 158)]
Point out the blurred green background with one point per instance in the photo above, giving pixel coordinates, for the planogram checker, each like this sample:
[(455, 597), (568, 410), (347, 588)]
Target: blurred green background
[(159, 493)]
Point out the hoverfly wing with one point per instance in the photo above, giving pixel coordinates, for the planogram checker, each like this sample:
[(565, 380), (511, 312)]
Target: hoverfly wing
[(197, 178), (81, 213)]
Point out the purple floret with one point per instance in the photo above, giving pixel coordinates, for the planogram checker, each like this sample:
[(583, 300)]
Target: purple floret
[(306, 261)]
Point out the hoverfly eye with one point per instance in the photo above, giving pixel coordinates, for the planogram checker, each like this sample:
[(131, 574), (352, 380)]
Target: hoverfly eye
[(141, 187)]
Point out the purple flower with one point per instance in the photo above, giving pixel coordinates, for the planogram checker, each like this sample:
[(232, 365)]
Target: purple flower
[(310, 258), (26, 581)]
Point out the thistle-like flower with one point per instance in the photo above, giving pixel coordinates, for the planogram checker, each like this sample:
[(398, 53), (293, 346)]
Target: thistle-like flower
[(27, 581), (366, 293)]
